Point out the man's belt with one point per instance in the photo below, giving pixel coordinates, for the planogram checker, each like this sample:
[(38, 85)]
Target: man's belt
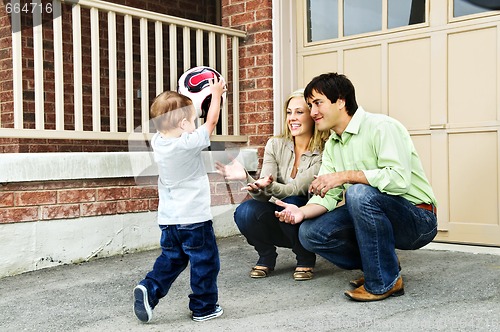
[(428, 207)]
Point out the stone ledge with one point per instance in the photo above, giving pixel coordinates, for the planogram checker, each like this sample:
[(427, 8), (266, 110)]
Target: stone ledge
[(23, 167)]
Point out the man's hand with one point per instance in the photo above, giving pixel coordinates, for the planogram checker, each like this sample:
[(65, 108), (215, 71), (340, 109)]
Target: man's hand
[(321, 184), (291, 214)]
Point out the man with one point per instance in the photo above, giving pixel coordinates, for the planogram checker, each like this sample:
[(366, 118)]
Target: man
[(389, 202)]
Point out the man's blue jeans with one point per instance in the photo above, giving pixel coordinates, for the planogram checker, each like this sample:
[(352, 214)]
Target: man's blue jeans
[(180, 245), (364, 233), (257, 222)]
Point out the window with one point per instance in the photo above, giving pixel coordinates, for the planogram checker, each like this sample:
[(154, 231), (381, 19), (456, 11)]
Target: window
[(322, 19), (464, 7), (360, 16), (405, 12)]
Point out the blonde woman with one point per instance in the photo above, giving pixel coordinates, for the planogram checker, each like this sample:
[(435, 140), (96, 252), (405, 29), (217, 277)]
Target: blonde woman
[(289, 165)]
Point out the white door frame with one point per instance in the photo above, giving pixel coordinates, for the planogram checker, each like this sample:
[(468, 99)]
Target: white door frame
[(284, 57)]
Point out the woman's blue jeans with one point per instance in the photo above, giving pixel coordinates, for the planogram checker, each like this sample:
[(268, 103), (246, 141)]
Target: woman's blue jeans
[(364, 233), (257, 222), (182, 244)]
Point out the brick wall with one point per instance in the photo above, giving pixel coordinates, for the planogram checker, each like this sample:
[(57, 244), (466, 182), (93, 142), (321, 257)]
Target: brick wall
[(38, 201), (50, 200), (256, 70)]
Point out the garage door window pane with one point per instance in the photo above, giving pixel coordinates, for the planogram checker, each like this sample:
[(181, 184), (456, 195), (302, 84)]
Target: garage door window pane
[(362, 16), (322, 20), (405, 12), (463, 7)]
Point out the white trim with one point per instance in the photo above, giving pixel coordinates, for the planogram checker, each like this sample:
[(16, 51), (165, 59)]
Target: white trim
[(17, 80), (276, 5), (284, 57), (463, 248), (153, 16)]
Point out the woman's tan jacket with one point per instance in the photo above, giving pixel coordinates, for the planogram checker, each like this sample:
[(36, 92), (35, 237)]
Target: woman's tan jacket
[(279, 158)]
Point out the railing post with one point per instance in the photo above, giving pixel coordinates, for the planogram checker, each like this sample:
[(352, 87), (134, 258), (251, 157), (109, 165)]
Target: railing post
[(144, 75), (77, 67), (159, 56), (58, 65), (113, 85), (96, 70), (173, 56), (129, 75), (38, 63)]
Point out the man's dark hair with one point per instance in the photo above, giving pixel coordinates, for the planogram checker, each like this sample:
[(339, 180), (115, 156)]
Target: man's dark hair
[(334, 86)]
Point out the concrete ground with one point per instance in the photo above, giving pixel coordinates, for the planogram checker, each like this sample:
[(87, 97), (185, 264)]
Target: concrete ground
[(445, 291)]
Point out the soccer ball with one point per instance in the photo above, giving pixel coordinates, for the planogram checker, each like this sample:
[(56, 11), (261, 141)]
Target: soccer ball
[(194, 83)]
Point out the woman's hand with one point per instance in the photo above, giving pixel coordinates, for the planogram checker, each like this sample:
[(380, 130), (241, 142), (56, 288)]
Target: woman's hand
[(291, 214), (259, 185), (264, 181)]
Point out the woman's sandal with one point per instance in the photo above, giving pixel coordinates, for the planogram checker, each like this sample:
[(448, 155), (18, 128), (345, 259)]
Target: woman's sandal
[(259, 271), (300, 275)]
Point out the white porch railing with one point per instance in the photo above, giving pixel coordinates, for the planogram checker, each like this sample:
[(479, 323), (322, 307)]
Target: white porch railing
[(124, 25)]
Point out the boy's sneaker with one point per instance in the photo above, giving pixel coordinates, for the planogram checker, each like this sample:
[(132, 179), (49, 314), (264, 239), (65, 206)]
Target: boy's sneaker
[(142, 309), (216, 313)]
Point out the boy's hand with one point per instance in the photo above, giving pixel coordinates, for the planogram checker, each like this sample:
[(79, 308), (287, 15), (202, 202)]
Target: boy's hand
[(217, 87)]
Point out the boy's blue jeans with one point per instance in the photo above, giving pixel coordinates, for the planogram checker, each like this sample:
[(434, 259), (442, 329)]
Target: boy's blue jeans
[(182, 244), (364, 233)]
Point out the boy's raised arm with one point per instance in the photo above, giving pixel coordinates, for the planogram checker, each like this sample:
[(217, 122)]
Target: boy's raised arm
[(217, 88)]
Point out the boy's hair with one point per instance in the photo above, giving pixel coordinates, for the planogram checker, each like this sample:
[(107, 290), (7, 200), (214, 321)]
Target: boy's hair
[(318, 139), (169, 108), (334, 86)]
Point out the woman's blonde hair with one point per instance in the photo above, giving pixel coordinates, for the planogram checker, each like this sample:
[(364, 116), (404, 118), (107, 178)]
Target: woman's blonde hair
[(318, 139), (169, 108)]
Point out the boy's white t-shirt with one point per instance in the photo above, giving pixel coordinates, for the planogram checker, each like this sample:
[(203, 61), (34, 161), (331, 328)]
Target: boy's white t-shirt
[(183, 186)]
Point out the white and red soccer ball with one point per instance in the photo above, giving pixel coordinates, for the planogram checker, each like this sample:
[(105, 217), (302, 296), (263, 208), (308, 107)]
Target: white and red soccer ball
[(194, 83)]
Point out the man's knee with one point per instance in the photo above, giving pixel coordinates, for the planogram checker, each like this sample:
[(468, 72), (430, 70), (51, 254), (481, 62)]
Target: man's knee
[(360, 194), (357, 190)]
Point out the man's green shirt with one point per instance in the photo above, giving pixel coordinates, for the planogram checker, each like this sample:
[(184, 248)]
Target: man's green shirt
[(382, 148)]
